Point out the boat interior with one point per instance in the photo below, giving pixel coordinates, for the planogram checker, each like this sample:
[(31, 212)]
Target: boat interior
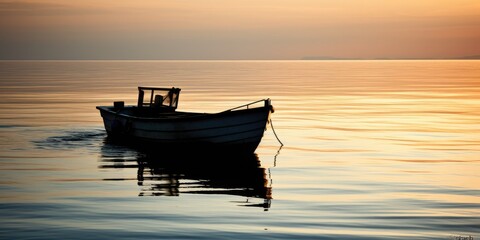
[(155, 102)]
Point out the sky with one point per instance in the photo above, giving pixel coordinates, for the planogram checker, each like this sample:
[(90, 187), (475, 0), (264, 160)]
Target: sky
[(238, 30)]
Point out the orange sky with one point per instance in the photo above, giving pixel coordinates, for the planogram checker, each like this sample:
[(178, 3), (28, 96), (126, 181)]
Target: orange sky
[(246, 29)]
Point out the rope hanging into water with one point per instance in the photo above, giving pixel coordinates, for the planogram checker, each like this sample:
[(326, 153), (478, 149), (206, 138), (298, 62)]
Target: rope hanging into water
[(273, 129)]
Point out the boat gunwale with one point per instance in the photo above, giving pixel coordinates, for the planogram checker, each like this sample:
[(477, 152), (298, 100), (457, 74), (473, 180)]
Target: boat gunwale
[(195, 115)]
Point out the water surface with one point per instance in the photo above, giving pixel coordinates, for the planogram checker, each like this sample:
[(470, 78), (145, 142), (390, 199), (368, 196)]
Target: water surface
[(373, 150)]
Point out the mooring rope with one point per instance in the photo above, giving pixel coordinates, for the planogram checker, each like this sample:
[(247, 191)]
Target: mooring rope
[(273, 129), (275, 157)]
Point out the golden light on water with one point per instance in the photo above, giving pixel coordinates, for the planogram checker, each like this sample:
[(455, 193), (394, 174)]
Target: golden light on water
[(367, 144)]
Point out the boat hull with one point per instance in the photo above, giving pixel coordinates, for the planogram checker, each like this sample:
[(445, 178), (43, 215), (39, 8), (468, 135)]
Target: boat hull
[(236, 130)]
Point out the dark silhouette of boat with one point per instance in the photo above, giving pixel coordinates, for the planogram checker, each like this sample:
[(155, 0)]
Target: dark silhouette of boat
[(155, 122), (169, 175)]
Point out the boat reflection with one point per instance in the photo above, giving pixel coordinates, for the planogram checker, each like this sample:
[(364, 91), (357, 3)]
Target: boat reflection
[(170, 175)]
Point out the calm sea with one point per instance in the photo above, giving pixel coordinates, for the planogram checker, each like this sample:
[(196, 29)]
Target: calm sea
[(372, 150)]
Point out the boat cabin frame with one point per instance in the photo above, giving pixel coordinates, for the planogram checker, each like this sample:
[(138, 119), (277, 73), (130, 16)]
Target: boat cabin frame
[(161, 98)]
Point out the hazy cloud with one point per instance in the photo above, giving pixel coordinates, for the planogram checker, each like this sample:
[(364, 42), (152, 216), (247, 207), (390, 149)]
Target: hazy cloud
[(19, 8), (232, 29)]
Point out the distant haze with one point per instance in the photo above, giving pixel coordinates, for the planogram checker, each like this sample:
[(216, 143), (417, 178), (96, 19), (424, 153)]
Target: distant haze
[(242, 29)]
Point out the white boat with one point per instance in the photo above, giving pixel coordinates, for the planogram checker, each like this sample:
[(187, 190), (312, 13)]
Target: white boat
[(155, 121)]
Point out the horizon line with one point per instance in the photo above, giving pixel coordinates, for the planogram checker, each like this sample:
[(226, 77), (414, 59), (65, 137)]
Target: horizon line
[(250, 60), (305, 58)]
